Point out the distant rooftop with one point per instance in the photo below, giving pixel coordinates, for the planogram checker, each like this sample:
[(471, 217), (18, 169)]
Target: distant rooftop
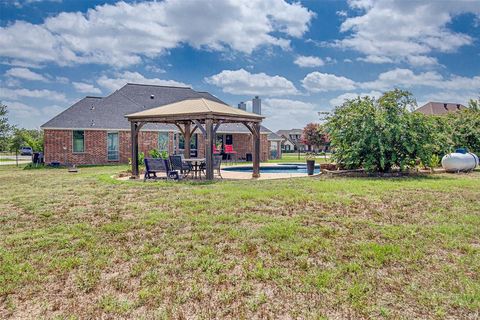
[(439, 108)]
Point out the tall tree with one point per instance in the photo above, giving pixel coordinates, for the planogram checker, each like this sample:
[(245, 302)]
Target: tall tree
[(314, 135), (382, 134), (5, 127)]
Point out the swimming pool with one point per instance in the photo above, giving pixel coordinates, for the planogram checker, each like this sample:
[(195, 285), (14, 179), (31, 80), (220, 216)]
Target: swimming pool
[(280, 168)]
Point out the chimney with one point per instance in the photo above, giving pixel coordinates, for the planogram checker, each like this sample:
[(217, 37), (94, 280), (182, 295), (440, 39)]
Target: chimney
[(257, 105), (242, 106)]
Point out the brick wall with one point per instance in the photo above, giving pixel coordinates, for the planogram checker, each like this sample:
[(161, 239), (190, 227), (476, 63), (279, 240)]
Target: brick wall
[(96, 146), (58, 147)]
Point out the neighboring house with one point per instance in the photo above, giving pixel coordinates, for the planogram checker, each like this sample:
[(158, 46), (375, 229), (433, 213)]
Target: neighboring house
[(292, 139), (440, 108), (95, 131)]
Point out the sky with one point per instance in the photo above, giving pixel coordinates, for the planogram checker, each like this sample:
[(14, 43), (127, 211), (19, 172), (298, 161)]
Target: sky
[(300, 57)]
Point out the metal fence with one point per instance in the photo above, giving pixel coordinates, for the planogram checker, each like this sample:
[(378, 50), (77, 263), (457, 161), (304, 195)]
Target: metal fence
[(12, 158)]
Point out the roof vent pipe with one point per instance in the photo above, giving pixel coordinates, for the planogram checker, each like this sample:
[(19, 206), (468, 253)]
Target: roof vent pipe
[(257, 105), (152, 97)]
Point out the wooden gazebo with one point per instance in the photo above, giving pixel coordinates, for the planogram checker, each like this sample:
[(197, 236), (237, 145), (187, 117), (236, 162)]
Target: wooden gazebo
[(190, 115)]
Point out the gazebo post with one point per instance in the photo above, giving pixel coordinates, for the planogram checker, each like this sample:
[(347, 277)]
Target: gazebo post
[(134, 142), (256, 150), (209, 148), (187, 137)]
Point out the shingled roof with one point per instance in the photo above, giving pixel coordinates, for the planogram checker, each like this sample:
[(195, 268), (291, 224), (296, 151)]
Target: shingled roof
[(108, 113), (439, 108)]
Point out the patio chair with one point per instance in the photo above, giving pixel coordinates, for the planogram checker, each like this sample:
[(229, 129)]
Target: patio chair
[(157, 165), (178, 164), (215, 150), (229, 152), (217, 162)]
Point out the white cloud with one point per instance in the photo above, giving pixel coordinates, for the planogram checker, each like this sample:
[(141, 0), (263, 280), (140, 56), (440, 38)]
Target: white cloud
[(406, 78), (114, 34), (62, 80), (320, 82), (243, 82), (395, 30), (375, 59), (26, 74), (86, 88), (351, 95), (402, 78), (15, 94), (120, 79), (285, 112), (309, 61), (155, 69), (29, 117), (421, 61), (21, 63)]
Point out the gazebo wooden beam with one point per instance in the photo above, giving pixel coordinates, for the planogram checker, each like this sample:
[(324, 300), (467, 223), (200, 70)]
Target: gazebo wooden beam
[(135, 129), (209, 149), (199, 126), (255, 130), (187, 137)]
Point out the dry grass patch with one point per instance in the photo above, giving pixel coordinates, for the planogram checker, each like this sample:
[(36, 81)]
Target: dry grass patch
[(87, 246)]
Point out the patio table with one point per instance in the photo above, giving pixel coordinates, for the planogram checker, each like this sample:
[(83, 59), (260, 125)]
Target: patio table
[(195, 162)]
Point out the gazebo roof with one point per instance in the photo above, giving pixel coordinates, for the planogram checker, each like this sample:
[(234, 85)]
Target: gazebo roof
[(194, 109)]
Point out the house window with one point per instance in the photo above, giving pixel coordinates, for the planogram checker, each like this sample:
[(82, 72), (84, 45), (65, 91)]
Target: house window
[(163, 141), (229, 139), (193, 142), (219, 142), (78, 141), (112, 146)]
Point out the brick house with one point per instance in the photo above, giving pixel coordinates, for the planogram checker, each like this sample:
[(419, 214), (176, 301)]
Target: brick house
[(95, 131)]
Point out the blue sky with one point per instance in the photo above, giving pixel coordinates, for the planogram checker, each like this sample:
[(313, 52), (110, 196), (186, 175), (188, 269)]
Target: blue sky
[(300, 57)]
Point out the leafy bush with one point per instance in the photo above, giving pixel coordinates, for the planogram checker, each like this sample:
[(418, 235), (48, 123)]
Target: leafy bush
[(141, 159), (378, 135), (154, 153)]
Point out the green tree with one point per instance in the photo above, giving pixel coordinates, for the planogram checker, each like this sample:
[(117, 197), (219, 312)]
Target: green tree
[(465, 126), (474, 104), (16, 140), (379, 135), (5, 128), (33, 138)]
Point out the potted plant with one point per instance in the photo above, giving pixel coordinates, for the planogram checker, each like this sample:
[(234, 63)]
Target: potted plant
[(310, 158)]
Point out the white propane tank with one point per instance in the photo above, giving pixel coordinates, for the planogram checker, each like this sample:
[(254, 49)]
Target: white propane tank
[(460, 160)]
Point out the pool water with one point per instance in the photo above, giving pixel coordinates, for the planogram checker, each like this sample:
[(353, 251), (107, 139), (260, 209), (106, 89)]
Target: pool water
[(281, 168)]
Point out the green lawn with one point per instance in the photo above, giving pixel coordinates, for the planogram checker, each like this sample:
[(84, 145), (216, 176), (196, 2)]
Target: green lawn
[(87, 246)]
